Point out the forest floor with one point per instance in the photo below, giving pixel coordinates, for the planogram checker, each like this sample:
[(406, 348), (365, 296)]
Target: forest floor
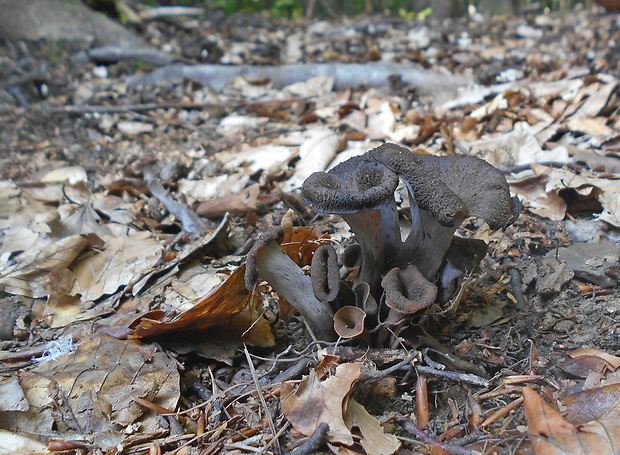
[(125, 201)]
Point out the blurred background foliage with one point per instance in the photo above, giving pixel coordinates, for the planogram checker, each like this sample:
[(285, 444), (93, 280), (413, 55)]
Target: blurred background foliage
[(336, 8), (408, 8)]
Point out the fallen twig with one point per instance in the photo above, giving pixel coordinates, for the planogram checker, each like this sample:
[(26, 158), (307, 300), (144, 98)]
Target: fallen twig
[(111, 109), (461, 377), (190, 221), (314, 442), (414, 429)]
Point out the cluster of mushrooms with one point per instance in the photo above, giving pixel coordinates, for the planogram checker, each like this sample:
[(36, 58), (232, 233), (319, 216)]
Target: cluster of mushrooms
[(396, 277)]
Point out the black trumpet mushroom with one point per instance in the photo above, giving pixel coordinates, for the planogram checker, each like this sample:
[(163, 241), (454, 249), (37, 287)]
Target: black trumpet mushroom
[(396, 277), (361, 190), (443, 192)]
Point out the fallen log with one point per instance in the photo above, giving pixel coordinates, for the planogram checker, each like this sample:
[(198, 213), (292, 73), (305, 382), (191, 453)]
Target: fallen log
[(441, 87)]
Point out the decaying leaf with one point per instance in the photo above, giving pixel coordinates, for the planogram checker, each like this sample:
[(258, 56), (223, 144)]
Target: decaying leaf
[(236, 204), (90, 391), (611, 359), (552, 434), (314, 402), (230, 306), (374, 440), (119, 264), (600, 403)]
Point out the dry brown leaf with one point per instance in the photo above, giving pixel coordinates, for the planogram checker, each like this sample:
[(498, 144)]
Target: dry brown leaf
[(91, 390), (300, 243), (546, 204), (122, 262), (83, 221), (611, 359), (236, 204), (374, 440), (230, 306), (61, 308), (29, 277), (594, 404), (314, 402), (552, 434), (585, 365), (231, 309)]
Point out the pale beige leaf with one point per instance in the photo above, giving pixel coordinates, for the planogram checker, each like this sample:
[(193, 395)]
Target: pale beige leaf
[(374, 440), (14, 444), (610, 199), (13, 398), (67, 174), (314, 402), (316, 152), (122, 262), (29, 277), (91, 390)]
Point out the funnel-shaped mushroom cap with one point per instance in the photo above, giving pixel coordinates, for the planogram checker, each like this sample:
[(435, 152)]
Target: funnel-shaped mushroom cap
[(349, 322), (447, 185), (429, 191), (407, 290), (361, 190), (324, 273), (356, 184)]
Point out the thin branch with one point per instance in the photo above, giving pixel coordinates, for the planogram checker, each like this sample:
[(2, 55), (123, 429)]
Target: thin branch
[(259, 391)]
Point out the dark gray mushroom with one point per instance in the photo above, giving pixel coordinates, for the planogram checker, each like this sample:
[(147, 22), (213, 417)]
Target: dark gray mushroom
[(350, 259), (325, 274), (408, 291), (361, 190), (405, 292), (364, 299), (462, 258), (443, 191)]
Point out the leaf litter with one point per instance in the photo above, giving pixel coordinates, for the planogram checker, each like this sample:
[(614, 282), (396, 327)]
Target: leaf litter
[(127, 235)]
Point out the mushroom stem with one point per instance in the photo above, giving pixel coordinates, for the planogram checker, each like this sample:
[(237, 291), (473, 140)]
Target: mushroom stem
[(428, 241), (378, 233), (288, 280)]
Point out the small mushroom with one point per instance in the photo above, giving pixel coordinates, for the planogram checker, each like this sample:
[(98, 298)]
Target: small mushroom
[(268, 261), (364, 299), (350, 259), (408, 291), (361, 190), (443, 191), (324, 273), (405, 292), (349, 322), (462, 258)]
